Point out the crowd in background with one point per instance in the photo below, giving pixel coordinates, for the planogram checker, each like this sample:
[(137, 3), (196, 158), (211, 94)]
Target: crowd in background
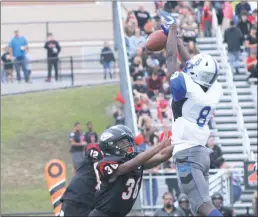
[(241, 36), (149, 74), (16, 56)]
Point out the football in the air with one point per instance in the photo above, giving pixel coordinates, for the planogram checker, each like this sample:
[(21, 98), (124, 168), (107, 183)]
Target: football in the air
[(156, 41)]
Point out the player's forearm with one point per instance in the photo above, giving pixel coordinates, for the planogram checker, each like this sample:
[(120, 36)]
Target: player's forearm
[(137, 161), (185, 56), (171, 49), (164, 155)]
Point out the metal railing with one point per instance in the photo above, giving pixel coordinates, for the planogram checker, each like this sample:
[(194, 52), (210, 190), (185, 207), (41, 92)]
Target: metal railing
[(232, 88), (70, 68)]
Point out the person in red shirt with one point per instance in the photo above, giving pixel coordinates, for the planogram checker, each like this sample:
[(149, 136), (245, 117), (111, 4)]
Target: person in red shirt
[(251, 63), (137, 105), (162, 107), (207, 21), (253, 18)]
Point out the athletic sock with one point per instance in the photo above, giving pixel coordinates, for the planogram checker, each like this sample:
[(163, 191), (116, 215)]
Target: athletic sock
[(215, 212)]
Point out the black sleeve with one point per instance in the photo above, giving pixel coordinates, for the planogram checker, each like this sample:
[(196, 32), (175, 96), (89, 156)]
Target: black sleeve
[(58, 47), (93, 152), (3, 58), (106, 169), (96, 136), (225, 37), (113, 57), (46, 45)]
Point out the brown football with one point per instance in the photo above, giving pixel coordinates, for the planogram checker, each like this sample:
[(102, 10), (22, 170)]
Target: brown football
[(156, 41)]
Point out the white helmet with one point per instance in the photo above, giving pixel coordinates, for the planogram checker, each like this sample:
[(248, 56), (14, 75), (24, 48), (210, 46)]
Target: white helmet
[(203, 69)]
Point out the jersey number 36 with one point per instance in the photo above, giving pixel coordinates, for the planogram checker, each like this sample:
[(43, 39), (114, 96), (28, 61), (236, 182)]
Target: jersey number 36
[(132, 189)]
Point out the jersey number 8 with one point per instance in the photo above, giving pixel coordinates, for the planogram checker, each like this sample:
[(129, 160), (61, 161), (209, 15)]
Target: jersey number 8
[(203, 116), (132, 189)]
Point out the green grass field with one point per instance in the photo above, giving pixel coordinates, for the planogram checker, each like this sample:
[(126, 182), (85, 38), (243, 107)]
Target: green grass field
[(34, 130)]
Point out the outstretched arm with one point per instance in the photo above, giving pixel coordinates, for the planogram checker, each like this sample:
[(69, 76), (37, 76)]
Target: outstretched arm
[(159, 158), (171, 48), (141, 158), (185, 56)]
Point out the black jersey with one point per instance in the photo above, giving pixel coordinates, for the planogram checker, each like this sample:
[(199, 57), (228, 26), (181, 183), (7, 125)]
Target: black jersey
[(82, 186), (117, 197)]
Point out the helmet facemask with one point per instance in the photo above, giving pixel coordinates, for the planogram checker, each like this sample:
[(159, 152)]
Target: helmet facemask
[(124, 146)]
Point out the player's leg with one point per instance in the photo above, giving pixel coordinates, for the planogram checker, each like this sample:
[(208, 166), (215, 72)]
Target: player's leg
[(96, 212), (191, 165), (70, 208)]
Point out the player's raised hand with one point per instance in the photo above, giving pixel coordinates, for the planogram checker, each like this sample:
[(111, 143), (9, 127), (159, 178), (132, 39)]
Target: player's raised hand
[(166, 140), (168, 21)]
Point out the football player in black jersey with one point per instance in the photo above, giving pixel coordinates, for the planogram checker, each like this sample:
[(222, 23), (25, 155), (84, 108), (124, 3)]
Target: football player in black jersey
[(79, 197), (121, 170)]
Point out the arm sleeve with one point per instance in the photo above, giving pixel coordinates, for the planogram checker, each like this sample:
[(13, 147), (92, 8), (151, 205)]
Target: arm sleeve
[(106, 169), (71, 136), (58, 47), (45, 46), (93, 152), (181, 86)]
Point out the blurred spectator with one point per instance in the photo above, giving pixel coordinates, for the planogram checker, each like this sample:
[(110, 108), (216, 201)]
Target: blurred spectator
[(192, 48), (251, 63), (163, 109), (236, 186), (77, 145), (253, 17), (53, 49), (171, 6), (251, 39), (218, 6), (217, 201), (244, 25), (198, 5), (136, 68), (242, 6), (18, 46), (137, 105), (139, 88), (189, 29), (216, 156), (143, 114), (254, 204), (234, 39), (131, 24), (7, 65), (227, 14), (119, 116), (156, 23), (90, 133), (168, 207), (159, 5), (142, 17), (154, 85), (28, 64), (107, 59), (184, 205), (135, 41), (207, 21)]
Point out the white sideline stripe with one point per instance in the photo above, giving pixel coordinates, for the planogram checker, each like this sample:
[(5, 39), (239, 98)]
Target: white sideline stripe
[(63, 180), (57, 199)]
